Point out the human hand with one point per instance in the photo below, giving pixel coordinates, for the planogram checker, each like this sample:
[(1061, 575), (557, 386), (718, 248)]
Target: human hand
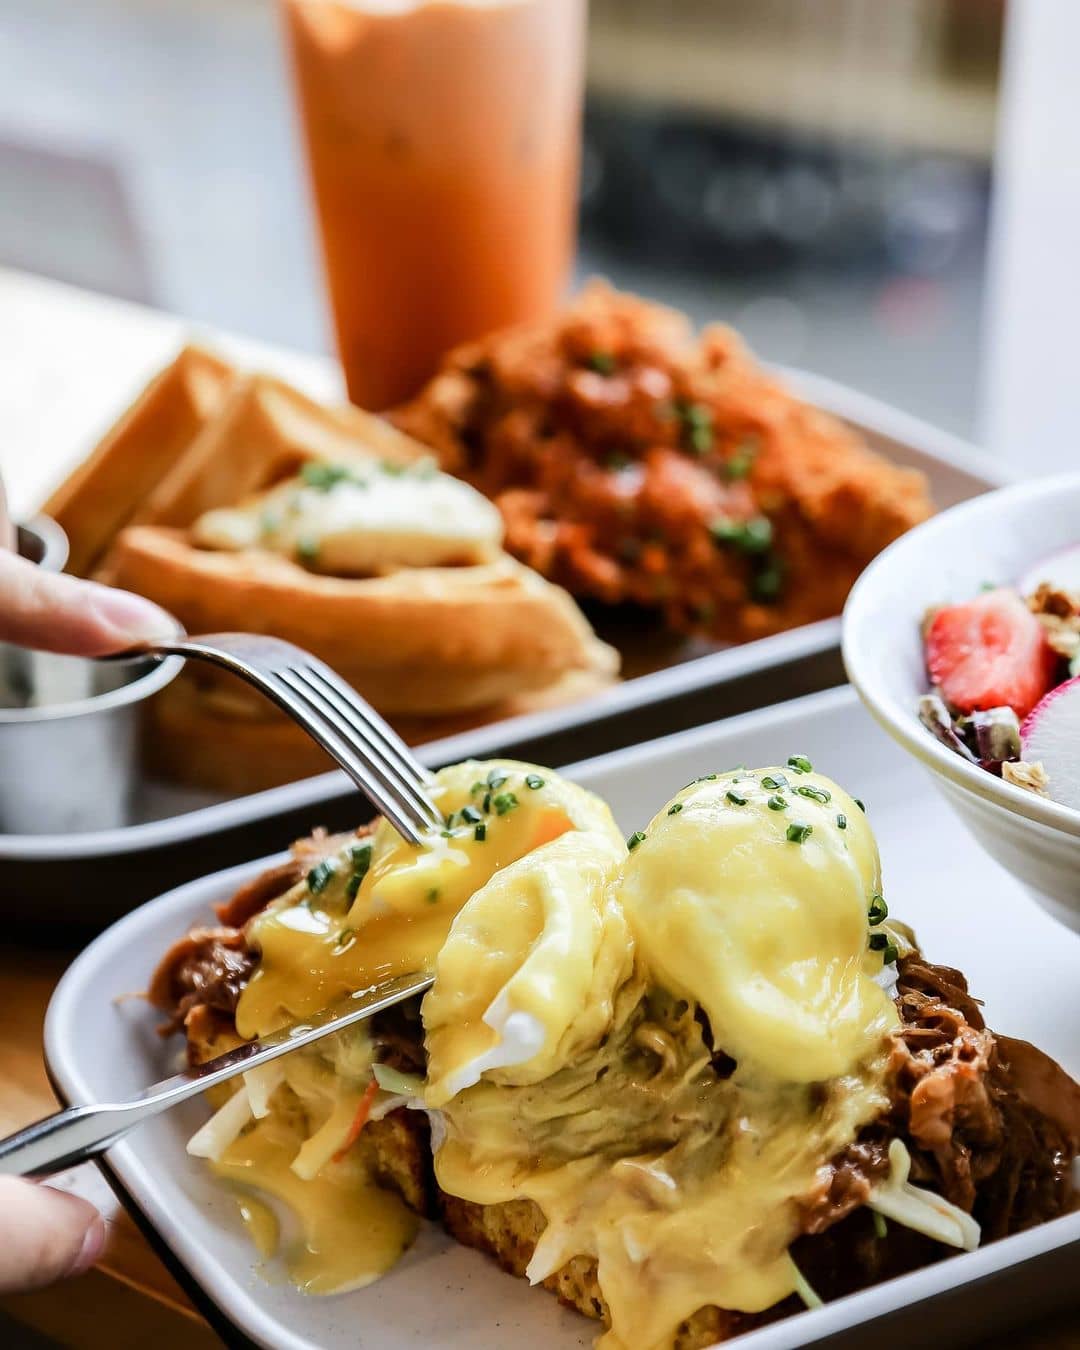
[(55, 613), (45, 1235)]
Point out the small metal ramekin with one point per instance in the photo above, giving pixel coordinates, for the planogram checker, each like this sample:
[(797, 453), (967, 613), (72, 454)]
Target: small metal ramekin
[(68, 726)]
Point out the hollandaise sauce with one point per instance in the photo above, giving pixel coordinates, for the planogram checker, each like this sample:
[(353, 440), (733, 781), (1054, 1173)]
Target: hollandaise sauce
[(377, 908), (383, 908), (670, 1131), (342, 1232)]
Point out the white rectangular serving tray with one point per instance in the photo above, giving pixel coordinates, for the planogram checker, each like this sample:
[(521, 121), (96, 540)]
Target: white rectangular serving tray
[(966, 911), (956, 471)]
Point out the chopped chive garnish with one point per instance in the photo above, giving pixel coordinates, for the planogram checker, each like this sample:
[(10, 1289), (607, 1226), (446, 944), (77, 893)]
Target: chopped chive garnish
[(841, 821), (805, 1289), (324, 476), (879, 910), (360, 857), (797, 833), (505, 801), (602, 362), (495, 779), (480, 833), (877, 942), (861, 805), (700, 439), (748, 536), (768, 582), (800, 764), (880, 1227), (741, 462), (319, 877), (487, 802), (638, 837), (432, 895), (469, 815), (774, 781), (534, 781), (816, 794), (890, 954), (477, 787), (675, 809), (776, 803), (735, 798), (697, 426)]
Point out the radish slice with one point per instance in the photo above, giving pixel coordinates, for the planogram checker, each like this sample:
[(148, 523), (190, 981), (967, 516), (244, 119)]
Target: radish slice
[(1061, 570), (1051, 736)]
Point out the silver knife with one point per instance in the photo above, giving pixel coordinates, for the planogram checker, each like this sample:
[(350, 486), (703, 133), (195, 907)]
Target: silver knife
[(82, 1132)]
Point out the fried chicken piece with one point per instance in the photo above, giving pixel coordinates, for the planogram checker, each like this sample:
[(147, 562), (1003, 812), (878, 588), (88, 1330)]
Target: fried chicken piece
[(633, 461)]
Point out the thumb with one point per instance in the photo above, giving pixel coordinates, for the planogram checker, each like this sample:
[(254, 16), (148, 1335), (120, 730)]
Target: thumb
[(45, 1235), (57, 613)]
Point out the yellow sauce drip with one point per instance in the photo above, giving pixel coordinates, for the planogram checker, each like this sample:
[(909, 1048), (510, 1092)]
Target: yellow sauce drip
[(350, 1230), (316, 948), (261, 1223), (707, 1222)]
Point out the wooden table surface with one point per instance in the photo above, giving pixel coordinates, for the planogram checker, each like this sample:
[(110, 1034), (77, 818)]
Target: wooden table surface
[(131, 1300), (80, 358)]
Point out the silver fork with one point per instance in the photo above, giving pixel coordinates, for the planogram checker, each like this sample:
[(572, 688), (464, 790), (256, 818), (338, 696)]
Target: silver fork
[(373, 755), (382, 767)]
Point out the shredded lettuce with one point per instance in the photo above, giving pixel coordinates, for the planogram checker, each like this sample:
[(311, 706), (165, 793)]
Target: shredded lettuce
[(400, 1084), (920, 1209), (261, 1084), (805, 1289), (222, 1128)]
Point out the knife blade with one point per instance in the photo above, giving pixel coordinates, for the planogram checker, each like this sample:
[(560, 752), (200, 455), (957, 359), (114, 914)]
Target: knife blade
[(80, 1132)]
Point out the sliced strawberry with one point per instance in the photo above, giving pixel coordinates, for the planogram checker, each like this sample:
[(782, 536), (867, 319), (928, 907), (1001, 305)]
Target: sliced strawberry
[(990, 653)]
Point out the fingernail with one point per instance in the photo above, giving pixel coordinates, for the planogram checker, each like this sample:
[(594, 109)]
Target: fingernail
[(131, 615), (93, 1244)]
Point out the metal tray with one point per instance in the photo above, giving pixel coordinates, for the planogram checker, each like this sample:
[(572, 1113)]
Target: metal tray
[(79, 882), (102, 1047)]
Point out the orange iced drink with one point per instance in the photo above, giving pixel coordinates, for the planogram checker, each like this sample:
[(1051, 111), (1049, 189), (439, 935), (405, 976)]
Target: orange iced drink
[(443, 139)]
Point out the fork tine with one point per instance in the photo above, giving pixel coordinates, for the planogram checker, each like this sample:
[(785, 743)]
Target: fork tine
[(388, 783), (375, 723), (374, 757), (384, 758), (402, 815), (373, 732)]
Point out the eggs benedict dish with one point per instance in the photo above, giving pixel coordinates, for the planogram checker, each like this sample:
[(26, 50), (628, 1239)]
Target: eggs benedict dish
[(691, 1081)]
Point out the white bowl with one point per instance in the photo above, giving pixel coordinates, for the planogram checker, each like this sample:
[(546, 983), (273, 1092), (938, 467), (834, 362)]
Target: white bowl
[(995, 538)]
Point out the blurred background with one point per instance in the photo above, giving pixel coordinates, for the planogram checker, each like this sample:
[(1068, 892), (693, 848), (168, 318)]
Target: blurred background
[(817, 172)]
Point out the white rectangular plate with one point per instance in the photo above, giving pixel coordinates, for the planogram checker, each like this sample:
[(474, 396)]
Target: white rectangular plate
[(966, 911), (169, 815)]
